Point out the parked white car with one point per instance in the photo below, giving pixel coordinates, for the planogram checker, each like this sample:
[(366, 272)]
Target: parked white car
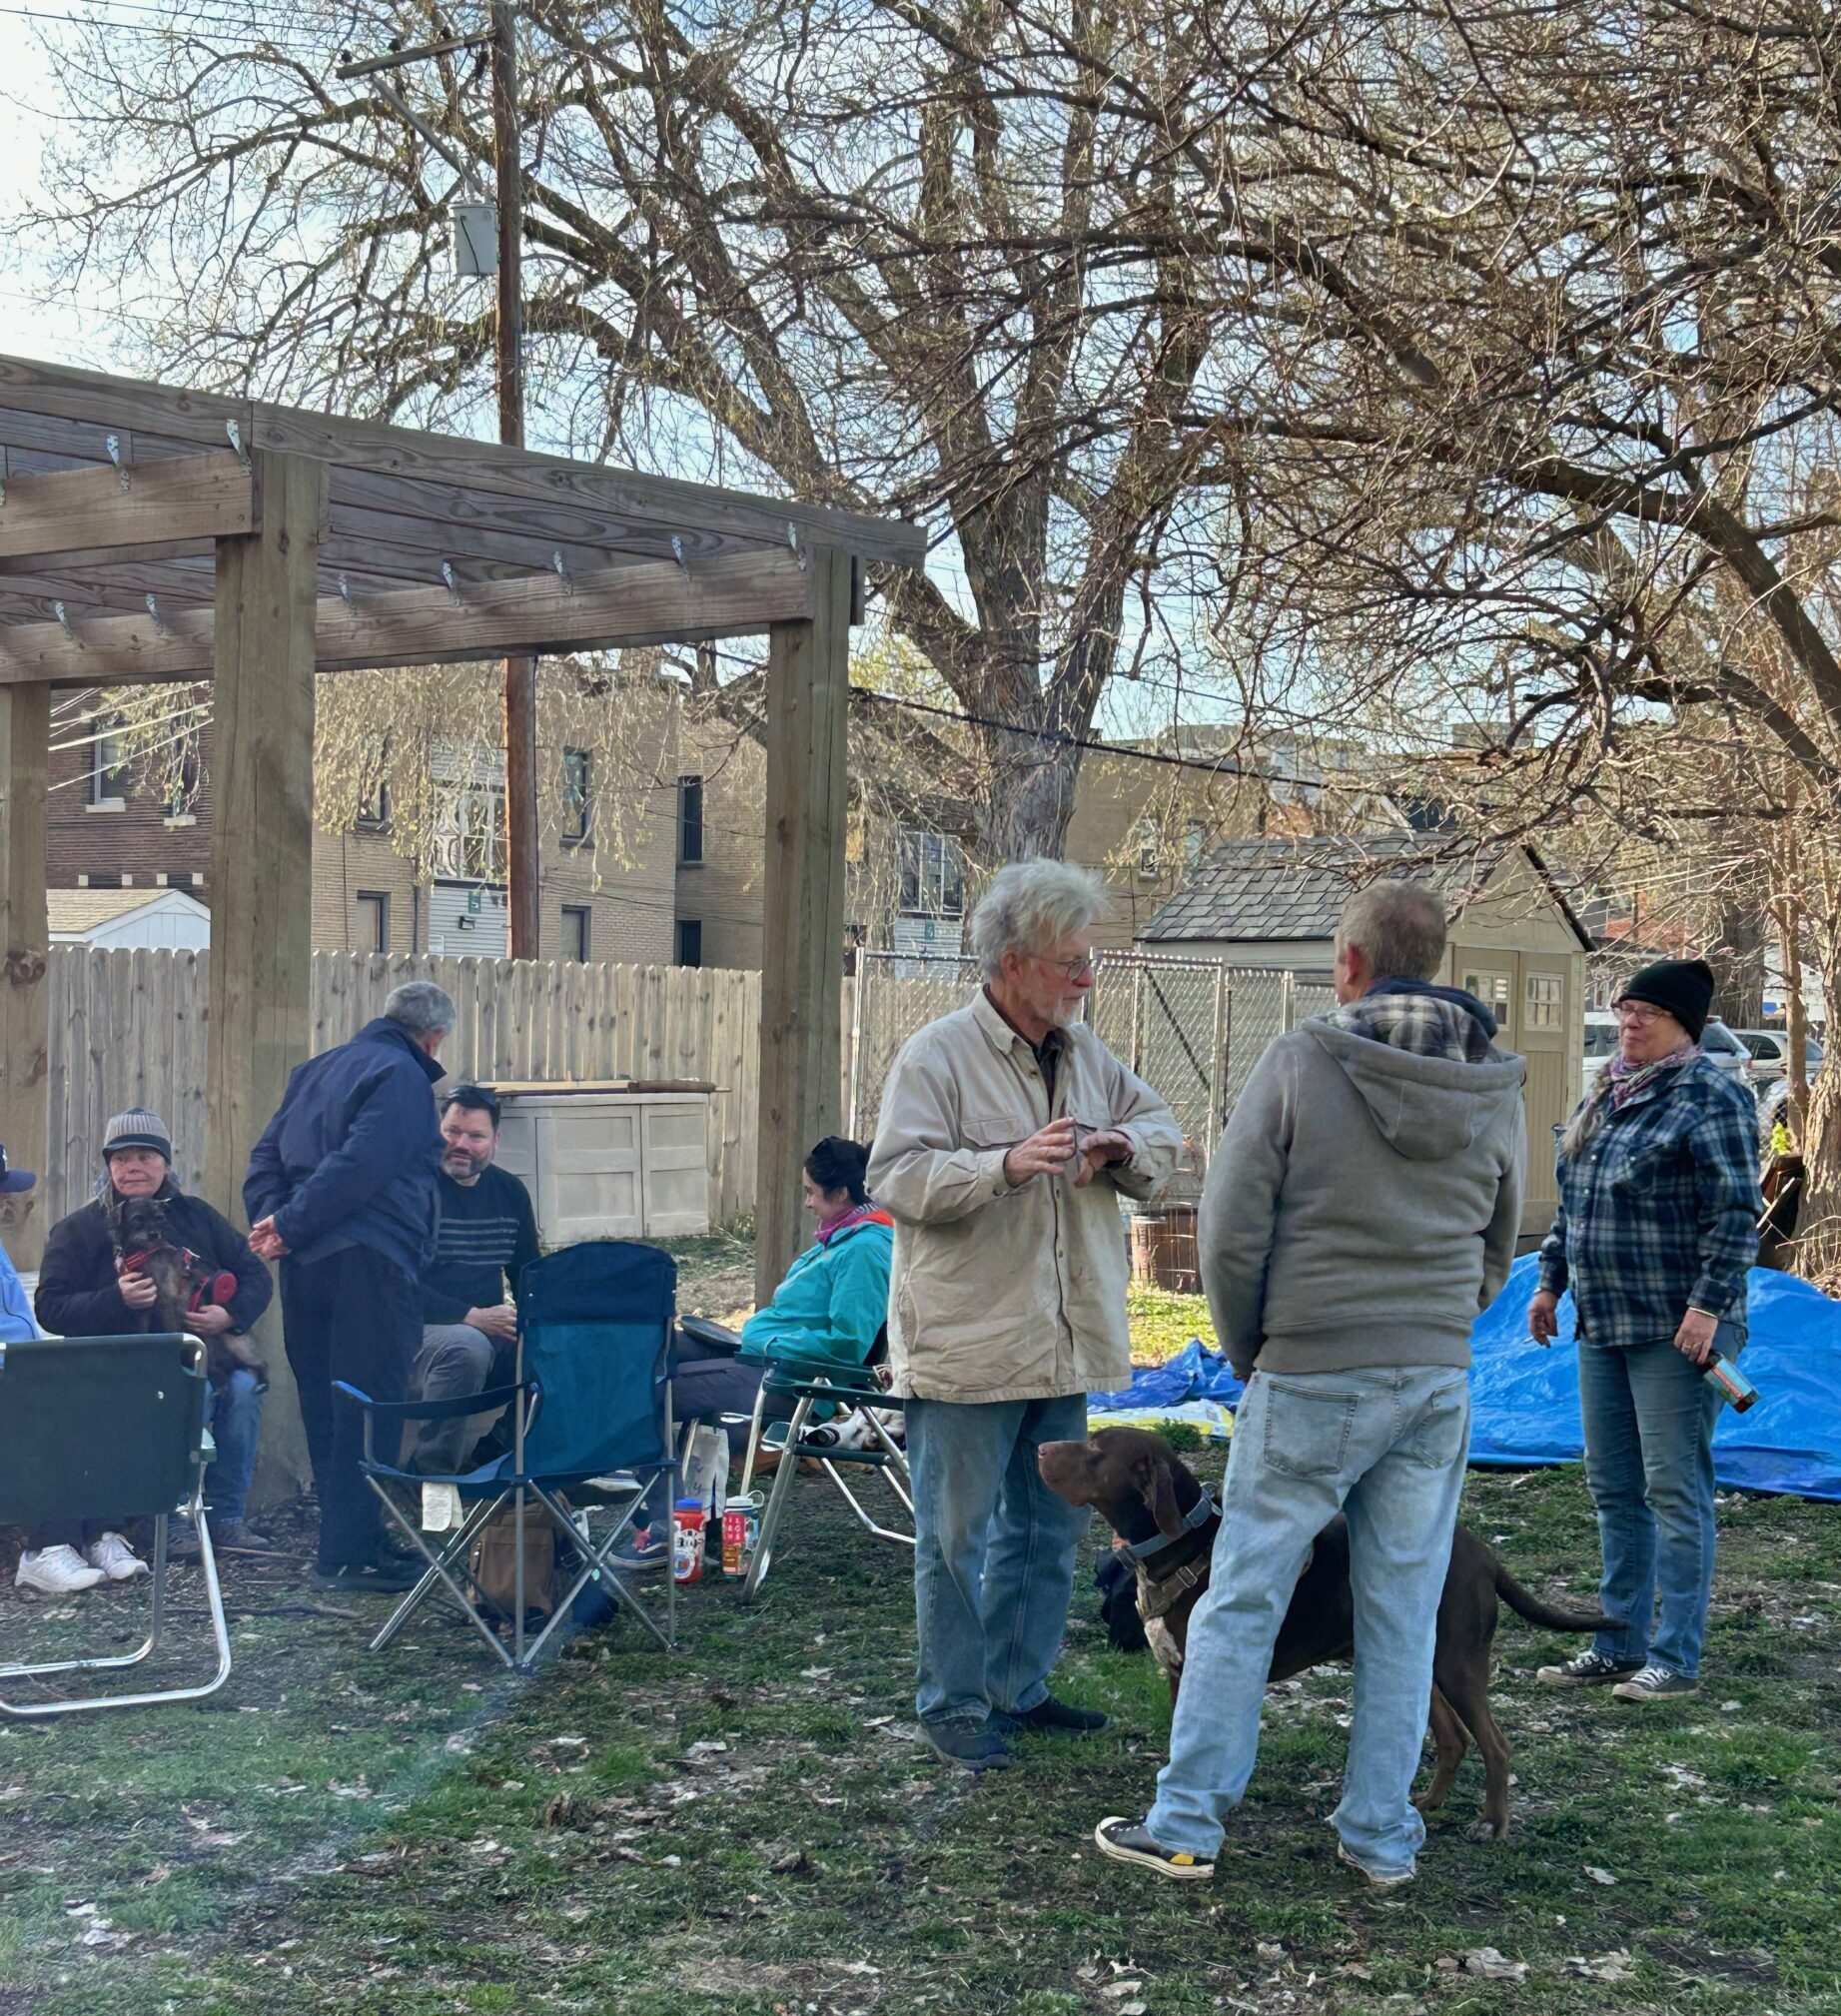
[(1770, 1053), (1716, 1040)]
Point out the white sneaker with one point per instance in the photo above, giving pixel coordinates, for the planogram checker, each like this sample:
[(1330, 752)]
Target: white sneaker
[(55, 1571), (117, 1560)]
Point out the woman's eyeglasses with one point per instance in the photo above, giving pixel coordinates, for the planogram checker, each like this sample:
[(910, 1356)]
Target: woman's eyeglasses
[(1638, 1012)]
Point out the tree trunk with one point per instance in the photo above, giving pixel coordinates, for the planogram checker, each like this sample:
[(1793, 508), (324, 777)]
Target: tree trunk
[(1736, 955), (1031, 796)]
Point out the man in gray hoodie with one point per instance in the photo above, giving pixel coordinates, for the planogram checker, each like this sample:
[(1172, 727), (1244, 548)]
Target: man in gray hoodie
[(1360, 1211)]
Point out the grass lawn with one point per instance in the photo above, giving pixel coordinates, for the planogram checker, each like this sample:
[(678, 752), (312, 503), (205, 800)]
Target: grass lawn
[(752, 1827)]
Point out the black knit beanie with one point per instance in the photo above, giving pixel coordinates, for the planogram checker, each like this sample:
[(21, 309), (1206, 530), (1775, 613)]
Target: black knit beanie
[(1683, 986)]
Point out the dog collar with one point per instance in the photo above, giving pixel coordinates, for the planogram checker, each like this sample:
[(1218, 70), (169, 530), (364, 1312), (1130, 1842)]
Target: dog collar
[(1199, 1513)]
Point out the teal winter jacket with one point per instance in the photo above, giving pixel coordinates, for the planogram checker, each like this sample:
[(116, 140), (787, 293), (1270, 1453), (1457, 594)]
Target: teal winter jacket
[(833, 1301)]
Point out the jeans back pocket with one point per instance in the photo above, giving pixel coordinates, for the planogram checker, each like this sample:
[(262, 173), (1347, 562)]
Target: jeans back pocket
[(1438, 1436), (1307, 1432)]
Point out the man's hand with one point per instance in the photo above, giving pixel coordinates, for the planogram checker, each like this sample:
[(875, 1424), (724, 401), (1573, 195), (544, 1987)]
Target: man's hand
[(1046, 1153), (1102, 1148), (1543, 1317), (1694, 1339), (264, 1241), (500, 1321), (211, 1321), (138, 1291)]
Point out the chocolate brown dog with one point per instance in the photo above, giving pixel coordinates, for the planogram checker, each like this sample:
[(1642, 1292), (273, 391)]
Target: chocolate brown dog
[(1145, 1493)]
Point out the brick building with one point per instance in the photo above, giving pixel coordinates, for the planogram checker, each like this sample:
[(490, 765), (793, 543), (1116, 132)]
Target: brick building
[(607, 858)]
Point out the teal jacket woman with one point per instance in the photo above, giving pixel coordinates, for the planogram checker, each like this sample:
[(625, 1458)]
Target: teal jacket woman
[(834, 1300)]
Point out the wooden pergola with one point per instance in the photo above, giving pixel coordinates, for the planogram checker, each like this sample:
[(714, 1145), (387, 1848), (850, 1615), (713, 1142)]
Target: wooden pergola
[(153, 533)]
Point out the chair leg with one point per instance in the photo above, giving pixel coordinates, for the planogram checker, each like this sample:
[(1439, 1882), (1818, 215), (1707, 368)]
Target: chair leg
[(220, 1633), (755, 1440), (778, 1499), (439, 1565)]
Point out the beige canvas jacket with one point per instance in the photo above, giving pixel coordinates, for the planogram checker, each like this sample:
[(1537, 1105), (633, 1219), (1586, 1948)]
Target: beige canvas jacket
[(1002, 1292)]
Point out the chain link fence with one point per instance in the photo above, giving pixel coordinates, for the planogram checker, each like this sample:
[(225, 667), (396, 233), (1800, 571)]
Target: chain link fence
[(1192, 1028)]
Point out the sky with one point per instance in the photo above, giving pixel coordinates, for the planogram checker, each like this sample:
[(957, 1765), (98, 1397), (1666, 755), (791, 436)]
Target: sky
[(87, 329)]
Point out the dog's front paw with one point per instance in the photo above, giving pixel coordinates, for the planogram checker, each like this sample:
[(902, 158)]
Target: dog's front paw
[(1486, 1830)]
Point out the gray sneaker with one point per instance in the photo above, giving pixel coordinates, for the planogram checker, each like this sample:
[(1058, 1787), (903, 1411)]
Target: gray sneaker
[(1656, 1683), (965, 1740), (1589, 1670)]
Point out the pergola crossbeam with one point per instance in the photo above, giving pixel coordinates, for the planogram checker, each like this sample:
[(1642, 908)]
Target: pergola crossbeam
[(124, 507), (647, 603)]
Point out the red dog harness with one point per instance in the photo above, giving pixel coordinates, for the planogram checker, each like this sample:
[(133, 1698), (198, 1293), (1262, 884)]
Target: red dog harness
[(216, 1288)]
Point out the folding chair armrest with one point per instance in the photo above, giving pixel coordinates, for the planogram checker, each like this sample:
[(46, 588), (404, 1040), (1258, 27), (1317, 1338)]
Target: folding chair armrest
[(433, 1410), (821, 1376), (714, 1336)]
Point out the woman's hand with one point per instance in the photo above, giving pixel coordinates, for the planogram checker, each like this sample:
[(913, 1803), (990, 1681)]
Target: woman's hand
[(211, 1321), (1543, 1317), (138, 1291), (1694, 1339)]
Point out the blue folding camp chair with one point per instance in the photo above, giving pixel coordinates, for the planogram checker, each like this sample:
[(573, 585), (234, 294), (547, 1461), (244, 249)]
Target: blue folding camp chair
[(109, 1424), (589, 1396)]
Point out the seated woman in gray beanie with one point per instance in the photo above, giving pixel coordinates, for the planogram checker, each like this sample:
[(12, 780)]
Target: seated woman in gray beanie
[(1657, 1231), (89, 1287)]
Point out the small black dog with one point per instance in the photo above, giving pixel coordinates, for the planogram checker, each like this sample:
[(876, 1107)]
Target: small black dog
[(183, 1282)]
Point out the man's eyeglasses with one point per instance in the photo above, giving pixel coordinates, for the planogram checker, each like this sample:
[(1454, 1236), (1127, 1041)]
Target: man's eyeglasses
[(1074, 969), (1638, 1012)]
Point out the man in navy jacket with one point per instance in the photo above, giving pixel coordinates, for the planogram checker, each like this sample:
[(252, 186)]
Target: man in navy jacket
[(342, 1191)]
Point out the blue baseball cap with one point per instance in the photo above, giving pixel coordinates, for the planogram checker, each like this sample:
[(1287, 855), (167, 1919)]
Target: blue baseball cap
[(12, 1180)]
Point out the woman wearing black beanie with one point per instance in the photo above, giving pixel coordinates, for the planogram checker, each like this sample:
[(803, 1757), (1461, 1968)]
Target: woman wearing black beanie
[(1655, 1233)]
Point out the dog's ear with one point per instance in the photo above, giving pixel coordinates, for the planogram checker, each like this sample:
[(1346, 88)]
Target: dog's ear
[(1159, 1494)]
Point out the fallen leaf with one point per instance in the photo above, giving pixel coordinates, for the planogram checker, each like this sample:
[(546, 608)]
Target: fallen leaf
[(1603, 1876), (1494, 1966), (1356, 1971), (1605, 1967), (1114, 1990), (1270, 1951)]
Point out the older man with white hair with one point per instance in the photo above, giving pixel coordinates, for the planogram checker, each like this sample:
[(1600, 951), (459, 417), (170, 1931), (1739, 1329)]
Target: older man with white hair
[(1008, 1132)]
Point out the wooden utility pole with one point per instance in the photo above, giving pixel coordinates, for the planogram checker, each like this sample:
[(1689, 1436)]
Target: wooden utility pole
[(520, 673)]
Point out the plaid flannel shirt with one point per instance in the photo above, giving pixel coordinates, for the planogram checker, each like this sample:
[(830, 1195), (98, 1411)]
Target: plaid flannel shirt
[(1660, 1212)]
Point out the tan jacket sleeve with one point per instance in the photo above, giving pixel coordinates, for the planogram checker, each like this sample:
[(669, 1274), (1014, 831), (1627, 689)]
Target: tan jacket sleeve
[(1141, 1115), (1500, 1236), (919, 1172)]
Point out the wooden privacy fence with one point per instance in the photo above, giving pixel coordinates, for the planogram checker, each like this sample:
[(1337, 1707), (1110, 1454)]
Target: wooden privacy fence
[(128, 1029)]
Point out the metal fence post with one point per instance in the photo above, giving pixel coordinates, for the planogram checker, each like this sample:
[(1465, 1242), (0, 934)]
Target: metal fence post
[(1287, 1004), (1218, 1066)]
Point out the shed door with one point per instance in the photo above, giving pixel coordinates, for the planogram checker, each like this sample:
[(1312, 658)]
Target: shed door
[(588, 1162), (1547, 1013), (1494, 978), (674, 1147)]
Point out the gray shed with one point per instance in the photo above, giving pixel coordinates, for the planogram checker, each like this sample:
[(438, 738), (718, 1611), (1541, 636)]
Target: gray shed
[(1514, 943)]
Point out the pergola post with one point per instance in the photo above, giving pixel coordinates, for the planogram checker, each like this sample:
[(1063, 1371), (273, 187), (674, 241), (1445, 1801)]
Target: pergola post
[(24, 733), (809, 687), (261, 860)]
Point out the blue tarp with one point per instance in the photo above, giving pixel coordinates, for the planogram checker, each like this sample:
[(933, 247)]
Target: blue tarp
[(1525, 1401)]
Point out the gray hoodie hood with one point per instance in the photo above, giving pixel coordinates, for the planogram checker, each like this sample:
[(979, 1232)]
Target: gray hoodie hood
[(1426, 1108)]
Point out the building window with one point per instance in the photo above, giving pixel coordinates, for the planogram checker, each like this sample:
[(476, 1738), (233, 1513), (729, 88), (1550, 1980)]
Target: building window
[(689, 941), (1546, 998), (1149, 848), (373, 797), (576, 814), (932, 874), (1492, 989), (373, 932), (470, 845), (690, 821), (575, 932), (1195, 845), (182, 801), (108, 766)]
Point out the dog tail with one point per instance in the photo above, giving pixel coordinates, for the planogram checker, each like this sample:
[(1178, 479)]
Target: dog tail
[(1525, 1603)]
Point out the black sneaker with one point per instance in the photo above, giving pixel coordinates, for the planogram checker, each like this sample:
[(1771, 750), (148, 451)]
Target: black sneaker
[(1130, 1841), (1062, 1718), (961, 1739), (386, 1577), (1589, 1670)]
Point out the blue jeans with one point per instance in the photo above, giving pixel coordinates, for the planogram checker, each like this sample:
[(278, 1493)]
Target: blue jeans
[(1649, 1418), (993, 1553), (1386, 1447), (236, 1428)]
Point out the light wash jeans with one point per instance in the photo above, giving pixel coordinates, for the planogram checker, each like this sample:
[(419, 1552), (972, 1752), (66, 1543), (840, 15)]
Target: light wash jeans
[(1386, 1446), (236, 1428), (994, 1551), (1649, 1417)]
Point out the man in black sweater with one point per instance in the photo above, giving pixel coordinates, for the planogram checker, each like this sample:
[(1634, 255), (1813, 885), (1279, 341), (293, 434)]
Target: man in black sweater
[(487, 1237)]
